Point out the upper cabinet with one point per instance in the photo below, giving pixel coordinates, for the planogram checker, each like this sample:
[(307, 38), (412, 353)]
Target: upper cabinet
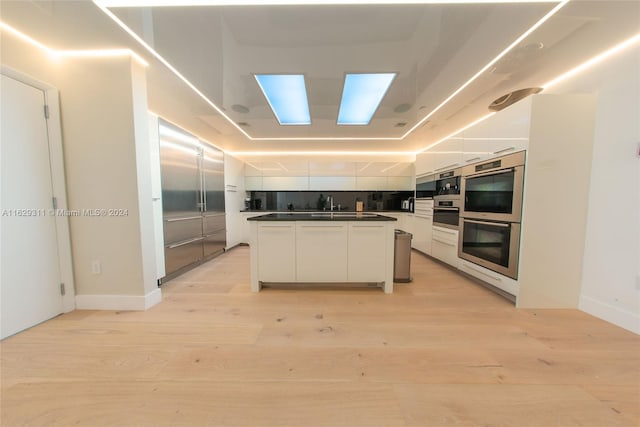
[(504, 132), (296, 175), (390, 176), (446, 155), (320, 168), (277, 175)]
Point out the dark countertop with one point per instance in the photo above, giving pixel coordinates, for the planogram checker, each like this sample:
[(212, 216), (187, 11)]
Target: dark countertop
[(307, 211), (322, 216)]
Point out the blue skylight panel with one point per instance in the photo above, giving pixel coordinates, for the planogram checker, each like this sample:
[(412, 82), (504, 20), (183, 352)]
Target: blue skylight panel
[(287, 97), (361, 96)]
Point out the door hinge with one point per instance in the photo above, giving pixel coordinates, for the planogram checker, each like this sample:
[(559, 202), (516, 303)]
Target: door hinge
[(46, 111), (54, 202), (63, 291)]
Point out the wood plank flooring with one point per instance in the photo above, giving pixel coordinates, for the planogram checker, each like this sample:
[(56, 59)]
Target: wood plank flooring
[(440, 351)]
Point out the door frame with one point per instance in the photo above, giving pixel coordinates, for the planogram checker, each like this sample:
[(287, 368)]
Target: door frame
[(56, 158)]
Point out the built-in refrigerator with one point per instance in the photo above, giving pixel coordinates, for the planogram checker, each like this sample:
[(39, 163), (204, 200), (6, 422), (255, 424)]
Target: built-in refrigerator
[(192, 174)]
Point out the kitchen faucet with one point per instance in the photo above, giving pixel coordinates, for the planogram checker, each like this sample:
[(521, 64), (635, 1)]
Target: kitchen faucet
[(330, 200)]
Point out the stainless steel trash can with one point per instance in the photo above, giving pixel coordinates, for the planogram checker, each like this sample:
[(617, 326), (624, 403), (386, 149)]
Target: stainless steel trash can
[(402, 257)]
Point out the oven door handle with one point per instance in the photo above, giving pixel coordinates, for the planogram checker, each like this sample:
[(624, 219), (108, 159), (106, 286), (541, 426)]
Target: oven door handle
[(491, 172), (445, 209), (497, 224)]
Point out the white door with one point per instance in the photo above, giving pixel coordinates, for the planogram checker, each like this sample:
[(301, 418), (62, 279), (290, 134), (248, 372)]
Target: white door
[(29, 269)]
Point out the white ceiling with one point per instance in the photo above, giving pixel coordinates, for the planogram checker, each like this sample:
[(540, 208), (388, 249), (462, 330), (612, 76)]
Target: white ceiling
[(434, 49)]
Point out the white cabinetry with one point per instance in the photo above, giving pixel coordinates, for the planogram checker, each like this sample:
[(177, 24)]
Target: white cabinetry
[(310, 251), (379, 176), (321, 251), (367, 251), (252, 177), (408, 224), (332, 183), (424, 163), (371, 183), (503, 133), (444, 245), (281, 175), (276, 251), (234, 193), (447, 155), (285, 183), (505, 283), (422, 224), (300, 175)]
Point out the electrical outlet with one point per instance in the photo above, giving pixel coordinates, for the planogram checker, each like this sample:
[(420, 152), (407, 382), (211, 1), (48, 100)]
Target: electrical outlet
[(638, 282), (96, 268)]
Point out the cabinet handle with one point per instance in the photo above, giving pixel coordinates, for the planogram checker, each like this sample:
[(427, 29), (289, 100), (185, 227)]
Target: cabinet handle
[(446, 231), (275, 226), (368, 226), (186, 242), (504, 150), (443, 242), (493, 172), (497, 279), (495, 224), (183, 219), (322, 226)]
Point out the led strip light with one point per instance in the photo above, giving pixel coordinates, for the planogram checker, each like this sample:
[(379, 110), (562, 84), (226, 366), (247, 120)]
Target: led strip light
[(73, 53), (105, 4)]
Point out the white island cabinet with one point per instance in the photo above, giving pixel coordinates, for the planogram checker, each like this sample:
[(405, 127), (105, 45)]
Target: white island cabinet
[(367, 251), (276, 251), (321, 251), (322, 248)]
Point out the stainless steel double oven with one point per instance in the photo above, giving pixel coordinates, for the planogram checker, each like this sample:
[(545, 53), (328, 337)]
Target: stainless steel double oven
[(491, 213)]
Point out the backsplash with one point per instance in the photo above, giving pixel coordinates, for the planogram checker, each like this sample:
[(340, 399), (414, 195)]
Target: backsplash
[(317, 200)]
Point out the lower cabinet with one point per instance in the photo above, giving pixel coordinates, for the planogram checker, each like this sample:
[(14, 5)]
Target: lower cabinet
[(497, 280), (422, 234), (422, 223), (367, 252), (321, 251), (276, 248), (444, 245)]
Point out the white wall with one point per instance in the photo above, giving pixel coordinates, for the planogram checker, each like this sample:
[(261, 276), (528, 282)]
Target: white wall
[(611, 266), (103, 109)]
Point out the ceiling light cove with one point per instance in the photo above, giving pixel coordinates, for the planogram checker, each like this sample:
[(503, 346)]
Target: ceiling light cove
[(166, 3), (287, 97), (361, 96)]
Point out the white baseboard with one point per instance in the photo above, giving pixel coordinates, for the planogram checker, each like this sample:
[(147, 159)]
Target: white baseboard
[(119, 302), (619, 317)]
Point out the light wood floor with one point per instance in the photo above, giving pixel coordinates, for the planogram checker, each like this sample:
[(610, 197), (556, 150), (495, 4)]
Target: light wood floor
[(441, 351)]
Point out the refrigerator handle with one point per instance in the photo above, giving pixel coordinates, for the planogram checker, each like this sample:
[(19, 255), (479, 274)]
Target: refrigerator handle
[(203, 193)]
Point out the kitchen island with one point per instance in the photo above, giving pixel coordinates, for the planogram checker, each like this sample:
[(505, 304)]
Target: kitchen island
[(322, 248)]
